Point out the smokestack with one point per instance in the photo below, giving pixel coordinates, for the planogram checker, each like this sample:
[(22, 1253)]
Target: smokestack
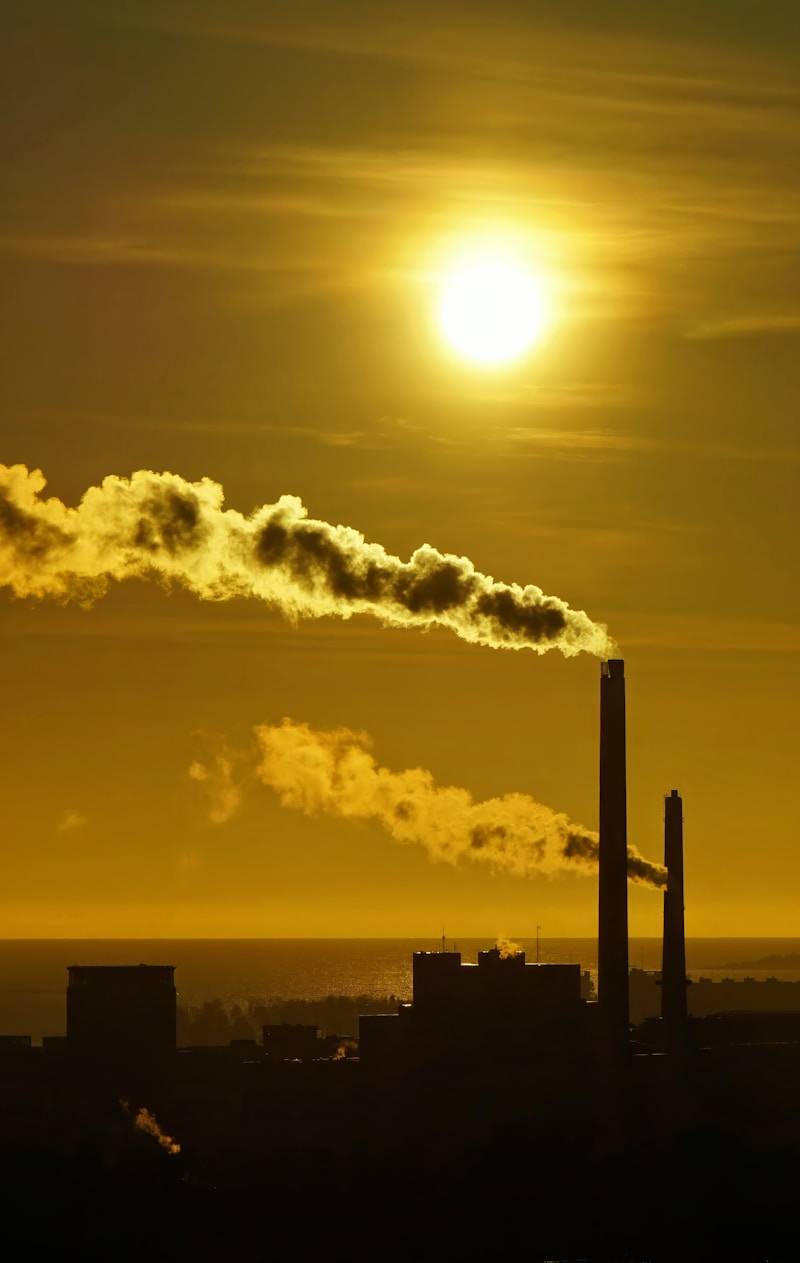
[(673, 964), (613, 919)]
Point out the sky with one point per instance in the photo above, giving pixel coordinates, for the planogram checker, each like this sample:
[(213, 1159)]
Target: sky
[(222, 240)]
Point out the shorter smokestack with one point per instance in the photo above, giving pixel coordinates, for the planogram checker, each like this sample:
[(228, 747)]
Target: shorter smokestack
[(673, 964)]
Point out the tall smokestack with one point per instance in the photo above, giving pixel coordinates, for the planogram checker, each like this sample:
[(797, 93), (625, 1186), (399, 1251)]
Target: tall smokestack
[(613, 920), (673, 964)]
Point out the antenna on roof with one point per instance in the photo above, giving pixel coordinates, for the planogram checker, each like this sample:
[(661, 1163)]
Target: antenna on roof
[(538, 944), (444, 941)]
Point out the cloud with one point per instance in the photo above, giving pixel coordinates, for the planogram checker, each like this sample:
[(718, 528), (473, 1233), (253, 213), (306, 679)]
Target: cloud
[(86, 249), (71, 820), (579, 441), (754, 325)]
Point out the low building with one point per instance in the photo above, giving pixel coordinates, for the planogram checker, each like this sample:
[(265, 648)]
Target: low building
[(15, 1046), (287, 1041)]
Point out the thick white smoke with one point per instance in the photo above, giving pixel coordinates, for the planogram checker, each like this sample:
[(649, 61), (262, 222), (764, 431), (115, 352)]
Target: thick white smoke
[(160, 526), (334, 773)]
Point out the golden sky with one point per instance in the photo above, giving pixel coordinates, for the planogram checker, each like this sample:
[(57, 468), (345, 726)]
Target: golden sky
[(220, 237)]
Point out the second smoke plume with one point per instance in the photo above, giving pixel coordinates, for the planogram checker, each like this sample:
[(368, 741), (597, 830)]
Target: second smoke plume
[(334, 773)]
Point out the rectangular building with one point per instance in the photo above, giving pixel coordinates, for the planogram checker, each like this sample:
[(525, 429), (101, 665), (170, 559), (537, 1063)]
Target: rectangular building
[(121, 1013), (500, 1007)]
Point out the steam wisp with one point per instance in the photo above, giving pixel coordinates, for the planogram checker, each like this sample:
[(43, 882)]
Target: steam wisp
[(159, 526), (146, 1122), (334, 773), (225, 798)]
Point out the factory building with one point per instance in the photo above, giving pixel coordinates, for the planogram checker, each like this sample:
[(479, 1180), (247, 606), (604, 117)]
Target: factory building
[(500, 1007), (288, 1041), (503, 1005), (121, 1015)]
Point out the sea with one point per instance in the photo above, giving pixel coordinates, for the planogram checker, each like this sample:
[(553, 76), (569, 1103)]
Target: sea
[(237, 971)]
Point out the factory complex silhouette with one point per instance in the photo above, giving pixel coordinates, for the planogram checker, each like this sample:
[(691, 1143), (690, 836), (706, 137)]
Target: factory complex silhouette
[(652, 1131), (500, 1006)]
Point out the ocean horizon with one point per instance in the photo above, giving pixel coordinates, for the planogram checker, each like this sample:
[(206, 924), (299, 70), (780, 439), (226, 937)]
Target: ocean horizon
[(240, 971)]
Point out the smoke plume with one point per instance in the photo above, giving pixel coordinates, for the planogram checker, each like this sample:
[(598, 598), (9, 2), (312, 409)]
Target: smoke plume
[(224, 790), (146, 1122), (158, 526), (508, 948), (334, 773)]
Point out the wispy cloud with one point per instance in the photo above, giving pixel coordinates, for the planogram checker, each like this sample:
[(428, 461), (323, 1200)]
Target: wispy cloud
[(556, 396), (684, 59), (607, 444), (385, 433), (567, 441), (747, 326), (365, 439), (638, 163), (86, 249), (71, 820), (707, 633)]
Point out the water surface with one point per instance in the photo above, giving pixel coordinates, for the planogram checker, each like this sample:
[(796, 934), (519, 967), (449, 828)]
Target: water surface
[(33, 971)]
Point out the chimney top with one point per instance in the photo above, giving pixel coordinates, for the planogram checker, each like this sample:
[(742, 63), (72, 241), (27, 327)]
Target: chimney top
[(613, 669)]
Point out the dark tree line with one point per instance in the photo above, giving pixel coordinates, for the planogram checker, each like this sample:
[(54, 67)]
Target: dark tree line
[(215, 1023)]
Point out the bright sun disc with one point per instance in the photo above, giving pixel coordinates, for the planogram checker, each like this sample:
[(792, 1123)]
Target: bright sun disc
[(492, 310)]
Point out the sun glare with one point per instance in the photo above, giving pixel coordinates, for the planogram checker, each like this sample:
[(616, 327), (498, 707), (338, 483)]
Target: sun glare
[(492, 309)]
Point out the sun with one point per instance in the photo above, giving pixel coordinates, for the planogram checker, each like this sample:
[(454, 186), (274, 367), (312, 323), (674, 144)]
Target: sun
[(492, 308)]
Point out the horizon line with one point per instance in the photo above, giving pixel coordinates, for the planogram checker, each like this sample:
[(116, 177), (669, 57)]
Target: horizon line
[(373, 938)]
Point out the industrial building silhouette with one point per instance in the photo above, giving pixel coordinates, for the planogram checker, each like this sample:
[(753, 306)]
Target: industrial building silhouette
[(502, 1113), (504, 1005), (500, 1006), (121, 1020), (121, 1012)]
